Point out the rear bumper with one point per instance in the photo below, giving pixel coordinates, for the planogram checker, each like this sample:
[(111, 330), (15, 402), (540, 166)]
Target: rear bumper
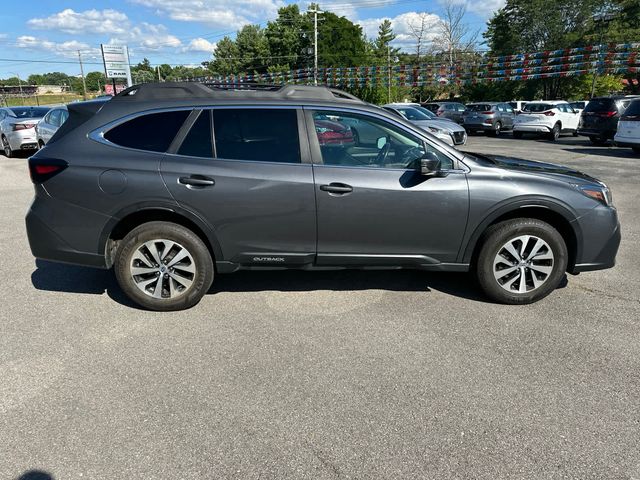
[(48, 245), (531, 128), (23, 140), (593, 132), (625, 143)]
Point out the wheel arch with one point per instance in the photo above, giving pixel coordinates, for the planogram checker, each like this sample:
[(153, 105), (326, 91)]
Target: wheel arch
[(555, 215), (120, 225)]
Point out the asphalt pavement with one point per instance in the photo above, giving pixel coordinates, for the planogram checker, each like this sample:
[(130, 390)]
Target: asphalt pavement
[(348, 374)]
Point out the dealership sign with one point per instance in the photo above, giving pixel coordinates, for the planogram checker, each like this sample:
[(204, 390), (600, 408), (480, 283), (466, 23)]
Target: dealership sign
[(116, 62)]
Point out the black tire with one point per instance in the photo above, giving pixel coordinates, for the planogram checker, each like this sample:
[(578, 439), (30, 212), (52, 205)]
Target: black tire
[(6, 147), (497, 129), (598, 140), (202, 278), (574, 133), (517, 135), (496, 237), (40, 144), (555, 132)]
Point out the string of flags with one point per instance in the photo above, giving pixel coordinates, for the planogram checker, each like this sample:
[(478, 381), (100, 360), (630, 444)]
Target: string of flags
[(623, 58)]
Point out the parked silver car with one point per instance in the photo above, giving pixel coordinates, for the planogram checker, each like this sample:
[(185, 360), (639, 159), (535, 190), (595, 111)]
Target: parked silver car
[(50, 124), (490, 117), (17, 128), (446, 130)]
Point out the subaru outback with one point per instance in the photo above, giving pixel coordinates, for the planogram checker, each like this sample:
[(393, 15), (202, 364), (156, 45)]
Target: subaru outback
[(173, 184)]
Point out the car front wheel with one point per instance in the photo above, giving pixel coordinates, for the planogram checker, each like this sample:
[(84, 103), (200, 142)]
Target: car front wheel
[(163, 266), (521, 261)]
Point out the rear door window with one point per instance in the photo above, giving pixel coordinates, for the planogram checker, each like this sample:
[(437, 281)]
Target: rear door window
[(198, 142), (600, 105), (633, 109), (257, 134), (153, 132)]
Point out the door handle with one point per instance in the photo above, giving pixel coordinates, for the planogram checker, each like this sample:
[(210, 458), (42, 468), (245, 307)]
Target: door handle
[(197, 181), (339, 188)]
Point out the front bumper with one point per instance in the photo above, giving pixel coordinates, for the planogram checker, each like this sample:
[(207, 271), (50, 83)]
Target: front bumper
[(601, 238)]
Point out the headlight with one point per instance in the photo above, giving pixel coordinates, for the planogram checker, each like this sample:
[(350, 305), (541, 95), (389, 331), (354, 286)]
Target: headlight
[(601, 193), (436, 130)]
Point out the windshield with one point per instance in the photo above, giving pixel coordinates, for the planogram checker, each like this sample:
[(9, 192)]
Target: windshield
[(29, 112), (411, 113), (537, 107), (600, 105), (479, 107), (427, 112)]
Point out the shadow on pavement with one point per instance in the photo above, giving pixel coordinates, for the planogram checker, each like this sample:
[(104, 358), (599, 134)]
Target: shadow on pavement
[(608, 151), (58, 277), (35, 475)]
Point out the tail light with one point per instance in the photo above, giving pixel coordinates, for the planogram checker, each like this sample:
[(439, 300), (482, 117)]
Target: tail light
[(42, 169), (487, 113), (608, 114), (23, 126), (549, 113)]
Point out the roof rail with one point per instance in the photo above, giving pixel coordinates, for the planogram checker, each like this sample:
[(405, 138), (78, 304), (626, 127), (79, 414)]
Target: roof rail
[(188, 90)]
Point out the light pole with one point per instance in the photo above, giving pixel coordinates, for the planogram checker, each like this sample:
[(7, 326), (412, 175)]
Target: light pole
[(315, 12)]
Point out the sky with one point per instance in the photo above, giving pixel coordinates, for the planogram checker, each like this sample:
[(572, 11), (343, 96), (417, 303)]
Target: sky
[(45, 35)]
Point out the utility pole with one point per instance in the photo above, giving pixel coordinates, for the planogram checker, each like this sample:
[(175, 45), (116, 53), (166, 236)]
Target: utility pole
[(601, 20), (158, 70), (20, 87), (388, 73), (315, 12), (84, 83)]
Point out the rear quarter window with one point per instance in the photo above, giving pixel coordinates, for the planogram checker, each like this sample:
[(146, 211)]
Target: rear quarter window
[(633, 109), (153, 132)]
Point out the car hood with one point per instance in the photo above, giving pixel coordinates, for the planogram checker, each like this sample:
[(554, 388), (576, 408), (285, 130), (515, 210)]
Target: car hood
[(446, 126), (551, 170)]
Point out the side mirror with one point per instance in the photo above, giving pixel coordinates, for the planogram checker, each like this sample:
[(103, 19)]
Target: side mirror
[(381, 142), (429, 166)]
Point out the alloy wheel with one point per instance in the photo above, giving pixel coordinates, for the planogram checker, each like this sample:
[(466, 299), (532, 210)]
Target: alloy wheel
[(523, 264), (162, 269)]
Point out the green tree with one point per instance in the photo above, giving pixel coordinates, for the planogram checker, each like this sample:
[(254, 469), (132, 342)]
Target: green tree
[(226, 57), (287, 40), (253, 49), (95, 81), (340, 42)]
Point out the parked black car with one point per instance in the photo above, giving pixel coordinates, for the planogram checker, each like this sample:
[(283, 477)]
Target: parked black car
[(173, 183), (450, 110), (599, 119)]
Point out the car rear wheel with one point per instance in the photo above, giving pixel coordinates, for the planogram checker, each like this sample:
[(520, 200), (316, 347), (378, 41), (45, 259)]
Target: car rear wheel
[(497, 129), (555, 132), (6, 147), (163, 266), (521, 261)]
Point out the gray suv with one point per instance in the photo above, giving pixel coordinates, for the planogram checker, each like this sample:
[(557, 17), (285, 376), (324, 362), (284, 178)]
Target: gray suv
[(489, 117), (172, 184)]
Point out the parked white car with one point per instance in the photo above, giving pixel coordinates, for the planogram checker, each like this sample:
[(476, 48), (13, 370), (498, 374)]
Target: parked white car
[(628, 134), (518, 105), (549, 117), (50, 124)]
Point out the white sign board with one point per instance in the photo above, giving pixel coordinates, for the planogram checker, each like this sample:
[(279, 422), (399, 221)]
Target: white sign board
[(116, 62)]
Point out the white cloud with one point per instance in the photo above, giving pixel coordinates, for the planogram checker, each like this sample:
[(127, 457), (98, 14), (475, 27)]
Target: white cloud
[(401, 25), (67, 49), (90, 21), (200, 45), (228, 14), (148, 37)]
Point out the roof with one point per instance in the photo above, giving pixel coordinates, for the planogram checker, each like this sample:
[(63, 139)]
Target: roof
[(172, 91)]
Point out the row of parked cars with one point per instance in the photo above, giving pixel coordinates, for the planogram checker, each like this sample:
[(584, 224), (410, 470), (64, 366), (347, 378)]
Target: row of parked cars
[(601, 119), (26, 129)]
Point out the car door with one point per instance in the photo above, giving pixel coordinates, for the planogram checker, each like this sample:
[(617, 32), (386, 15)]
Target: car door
[(507, 115), (374, 206), (252, 184)]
